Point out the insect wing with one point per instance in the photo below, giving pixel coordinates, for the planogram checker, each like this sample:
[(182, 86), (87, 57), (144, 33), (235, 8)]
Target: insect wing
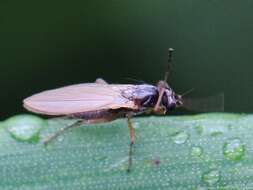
[(78, 98)]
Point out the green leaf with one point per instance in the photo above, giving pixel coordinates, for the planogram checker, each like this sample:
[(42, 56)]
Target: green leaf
[(206, 151)]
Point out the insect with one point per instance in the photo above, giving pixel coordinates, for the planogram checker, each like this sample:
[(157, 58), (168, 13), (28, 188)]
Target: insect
[(102, 102)]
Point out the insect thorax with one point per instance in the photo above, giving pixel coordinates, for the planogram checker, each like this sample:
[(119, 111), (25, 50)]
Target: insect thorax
[(144, 95)]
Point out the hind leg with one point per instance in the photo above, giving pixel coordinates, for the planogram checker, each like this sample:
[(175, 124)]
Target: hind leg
[(61, 130), (85, 118), (132, 139)]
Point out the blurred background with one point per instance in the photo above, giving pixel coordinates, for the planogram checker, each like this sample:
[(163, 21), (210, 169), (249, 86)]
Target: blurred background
[(48, 44)]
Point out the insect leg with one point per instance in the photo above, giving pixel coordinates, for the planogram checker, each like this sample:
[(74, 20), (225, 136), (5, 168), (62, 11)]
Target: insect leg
[(161, 91), (61, 130), (91, 117), (100, 81), (161, 85), (132, 137)]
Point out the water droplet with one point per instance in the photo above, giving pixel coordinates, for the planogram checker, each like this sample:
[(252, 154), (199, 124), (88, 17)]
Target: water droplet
[(25, 127), (234, 149), (211, 177), (172, 131), (100, 158), (216, 133), (60, 138), (196, 151), (199, 129), (230, 126), (201, 188), (136, 125), (180, 138), (227, 188)]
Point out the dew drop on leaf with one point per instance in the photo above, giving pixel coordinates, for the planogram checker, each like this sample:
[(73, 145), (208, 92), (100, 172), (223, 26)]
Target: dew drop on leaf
[(136, 125), (60, 138), (201, 188), (196, 151), (180, 138), (211, 177), (199, 129), (234, 149), (25, 127), (216, 133), (100, 158)]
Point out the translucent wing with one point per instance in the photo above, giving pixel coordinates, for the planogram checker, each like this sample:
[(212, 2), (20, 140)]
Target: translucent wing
[(78, 98), (205, 104)]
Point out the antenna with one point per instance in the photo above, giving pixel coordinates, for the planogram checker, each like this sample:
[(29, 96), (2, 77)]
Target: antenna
[(162, 85), (167, 73), (187, 92)]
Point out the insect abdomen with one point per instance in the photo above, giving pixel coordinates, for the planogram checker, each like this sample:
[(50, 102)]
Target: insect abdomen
[(109, 114)]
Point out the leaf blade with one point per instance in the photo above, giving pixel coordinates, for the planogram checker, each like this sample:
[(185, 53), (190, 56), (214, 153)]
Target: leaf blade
[(95, 156)]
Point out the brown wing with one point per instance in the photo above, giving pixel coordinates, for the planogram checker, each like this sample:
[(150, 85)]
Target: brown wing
[(79, 98)]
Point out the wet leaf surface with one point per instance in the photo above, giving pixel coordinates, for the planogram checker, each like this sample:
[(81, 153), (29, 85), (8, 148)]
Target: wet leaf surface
[(206, 151)]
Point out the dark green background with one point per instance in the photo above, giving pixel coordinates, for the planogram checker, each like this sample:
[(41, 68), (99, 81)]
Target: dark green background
[(47, 44)]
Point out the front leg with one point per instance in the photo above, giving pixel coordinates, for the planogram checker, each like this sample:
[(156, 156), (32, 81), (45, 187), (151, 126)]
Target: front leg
[(162, 85), (160, 110)]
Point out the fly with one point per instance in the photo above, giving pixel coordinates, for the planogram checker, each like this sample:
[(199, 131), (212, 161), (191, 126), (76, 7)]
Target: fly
[(102, 102)]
